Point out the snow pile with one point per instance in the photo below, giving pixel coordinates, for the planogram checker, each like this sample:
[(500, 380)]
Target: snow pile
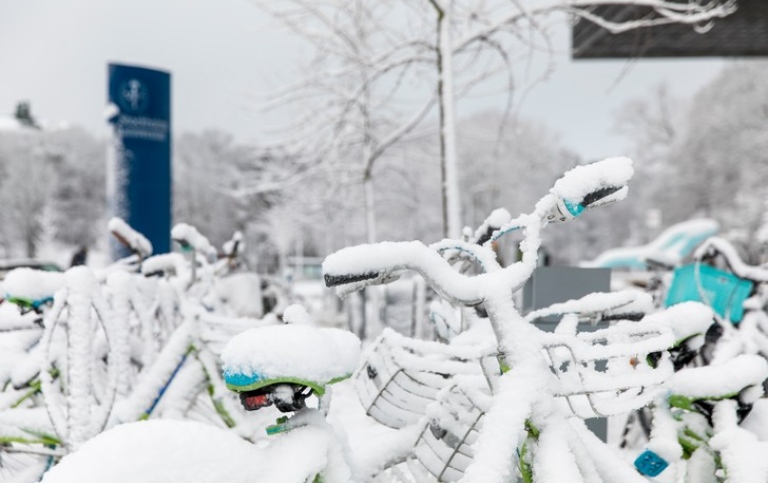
[(291, 351), (130, 237), (297, 314), (583, 180), (722, 380), (165, 451), (686, 320), (32, 285)]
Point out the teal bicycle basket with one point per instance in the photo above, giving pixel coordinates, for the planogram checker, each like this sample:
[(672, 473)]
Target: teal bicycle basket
[(724, 292)]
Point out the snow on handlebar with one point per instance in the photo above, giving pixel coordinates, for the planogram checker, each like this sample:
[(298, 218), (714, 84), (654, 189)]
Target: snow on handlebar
[(129, 237), (190, 239), (378, 263), (583, 187), (592, 185)]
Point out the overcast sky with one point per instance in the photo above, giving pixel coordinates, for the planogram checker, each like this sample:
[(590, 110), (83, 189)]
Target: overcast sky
[(222, 53)]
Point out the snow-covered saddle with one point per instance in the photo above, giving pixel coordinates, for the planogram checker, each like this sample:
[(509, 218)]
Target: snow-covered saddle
[(284, 364)]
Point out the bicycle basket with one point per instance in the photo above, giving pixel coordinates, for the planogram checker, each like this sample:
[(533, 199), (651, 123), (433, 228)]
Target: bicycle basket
[(610, 371), (401, 376), (444, 447), (723, 291)]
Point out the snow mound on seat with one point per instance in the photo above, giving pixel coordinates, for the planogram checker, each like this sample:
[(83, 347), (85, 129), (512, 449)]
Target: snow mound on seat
[(292, 351)]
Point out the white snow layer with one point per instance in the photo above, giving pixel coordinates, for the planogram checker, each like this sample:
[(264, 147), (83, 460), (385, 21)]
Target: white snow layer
[(721, 380), (293, 351)]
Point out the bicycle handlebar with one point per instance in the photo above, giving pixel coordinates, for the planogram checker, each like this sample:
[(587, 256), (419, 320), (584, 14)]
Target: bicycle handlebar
[(375, 263), (129, 237), (580, 188), (190, 239)]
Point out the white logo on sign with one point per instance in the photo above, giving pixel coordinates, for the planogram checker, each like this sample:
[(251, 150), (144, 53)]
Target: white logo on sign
[(134, 96)]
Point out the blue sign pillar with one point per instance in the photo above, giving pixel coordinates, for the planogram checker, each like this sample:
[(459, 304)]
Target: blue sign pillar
[(139, 174)]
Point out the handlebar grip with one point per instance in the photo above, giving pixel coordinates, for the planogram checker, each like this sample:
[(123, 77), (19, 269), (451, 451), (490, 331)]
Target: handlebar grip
[(591, 185), (598, 195), (336, 280)]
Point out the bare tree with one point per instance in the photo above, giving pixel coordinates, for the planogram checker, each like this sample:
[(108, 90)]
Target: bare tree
[(366, 49), (349, 104), (706, 157), (720, 162), (25, 191)]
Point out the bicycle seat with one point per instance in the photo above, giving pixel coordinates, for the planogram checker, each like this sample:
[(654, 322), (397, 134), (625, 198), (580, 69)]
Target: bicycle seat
[(265, 364), (30, 288)]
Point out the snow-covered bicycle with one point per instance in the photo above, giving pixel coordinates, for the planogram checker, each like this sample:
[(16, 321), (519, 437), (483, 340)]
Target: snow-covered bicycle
[(523, 427), (152, 357), (299, 448)]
